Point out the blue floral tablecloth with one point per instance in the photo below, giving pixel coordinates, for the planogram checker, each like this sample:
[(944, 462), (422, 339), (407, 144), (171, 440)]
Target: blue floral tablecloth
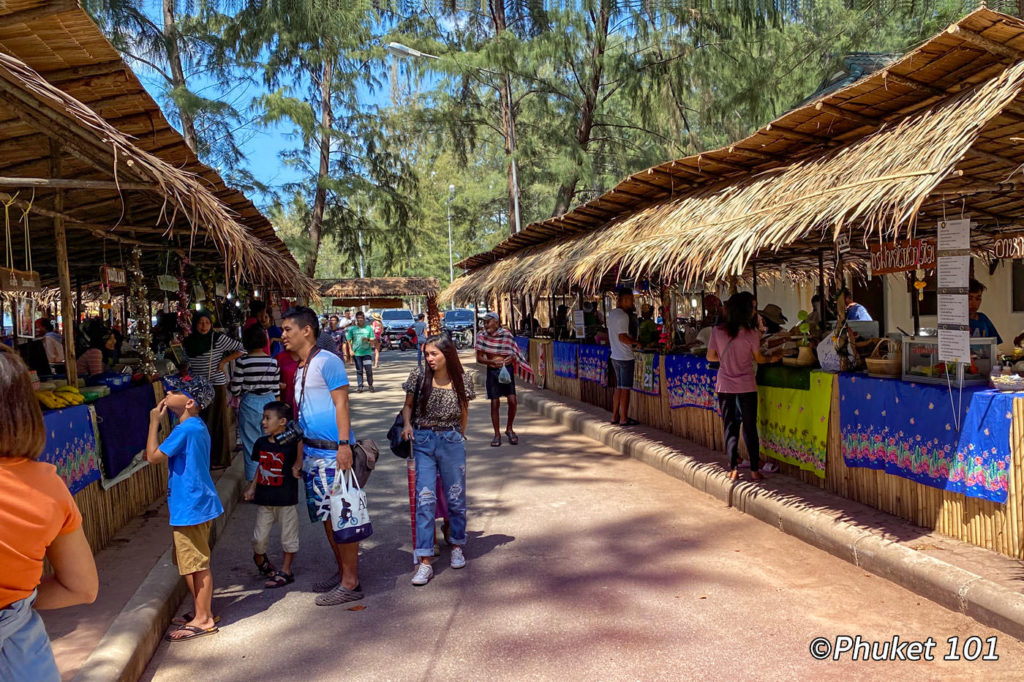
[(909, 430), (72, 446), (524, 373), (690, 382), (593, 363), (564, 356)]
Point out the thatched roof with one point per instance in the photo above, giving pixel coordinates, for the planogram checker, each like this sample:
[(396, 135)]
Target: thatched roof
[(942, 123), (61, 80), (378, 287)]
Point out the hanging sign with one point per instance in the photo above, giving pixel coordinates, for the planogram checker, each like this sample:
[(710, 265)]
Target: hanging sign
[(1009, 246), (843, 242), (220, 290), (167, 282), (200, 292), (954, 262), (112, 277), (902, 256), (19, 280), (580, 324)]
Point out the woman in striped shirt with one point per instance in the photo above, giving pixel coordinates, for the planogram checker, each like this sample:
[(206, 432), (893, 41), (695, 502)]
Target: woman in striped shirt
[(207, 353), (257, 378)]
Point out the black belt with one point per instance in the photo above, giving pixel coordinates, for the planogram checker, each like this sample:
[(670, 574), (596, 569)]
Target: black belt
[(436, 428), (320, 444)]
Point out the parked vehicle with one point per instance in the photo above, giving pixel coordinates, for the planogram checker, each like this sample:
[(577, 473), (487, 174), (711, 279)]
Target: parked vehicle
[(458, 325), (396, 321)]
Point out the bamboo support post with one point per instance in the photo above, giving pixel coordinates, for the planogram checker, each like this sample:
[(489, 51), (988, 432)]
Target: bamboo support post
[(63, 271)]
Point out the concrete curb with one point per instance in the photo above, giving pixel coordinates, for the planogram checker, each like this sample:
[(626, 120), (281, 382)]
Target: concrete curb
[(807, 513), (135, 634)]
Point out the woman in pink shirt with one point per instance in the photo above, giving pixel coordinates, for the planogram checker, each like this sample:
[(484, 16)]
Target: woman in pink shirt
[(736, 345)]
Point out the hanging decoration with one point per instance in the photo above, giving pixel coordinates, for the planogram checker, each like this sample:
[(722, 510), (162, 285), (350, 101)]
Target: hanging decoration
[(184, 314), (11, 279), (139, 309)]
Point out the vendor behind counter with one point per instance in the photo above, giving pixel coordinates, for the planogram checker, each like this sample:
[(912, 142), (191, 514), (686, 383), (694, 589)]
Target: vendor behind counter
[(981, 326)]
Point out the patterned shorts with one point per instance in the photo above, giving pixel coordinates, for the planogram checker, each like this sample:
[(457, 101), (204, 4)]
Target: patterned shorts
[(319, 481)]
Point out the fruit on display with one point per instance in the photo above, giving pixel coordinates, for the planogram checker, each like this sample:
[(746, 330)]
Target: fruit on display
[(65, 396)]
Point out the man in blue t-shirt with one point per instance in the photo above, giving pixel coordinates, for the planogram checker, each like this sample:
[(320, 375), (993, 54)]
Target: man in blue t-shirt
[(321, 403), (980, 325), (855, 312), (191, 496)]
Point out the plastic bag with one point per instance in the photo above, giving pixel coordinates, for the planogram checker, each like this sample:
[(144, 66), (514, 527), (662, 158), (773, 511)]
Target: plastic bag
[(503, 376), (350, 518)]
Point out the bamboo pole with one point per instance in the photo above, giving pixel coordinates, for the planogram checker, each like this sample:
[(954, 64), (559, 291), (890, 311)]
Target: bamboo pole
[(60, 238), (60, 183)]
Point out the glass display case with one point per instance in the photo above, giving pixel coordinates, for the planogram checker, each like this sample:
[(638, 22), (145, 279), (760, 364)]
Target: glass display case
[(921, 362)]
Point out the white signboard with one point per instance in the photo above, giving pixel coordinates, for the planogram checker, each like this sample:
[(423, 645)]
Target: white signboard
[(954, 346), (954, 266), (954, 235), (952, 311), (167, 282), (200, 292), (579, 322), (954, 273)]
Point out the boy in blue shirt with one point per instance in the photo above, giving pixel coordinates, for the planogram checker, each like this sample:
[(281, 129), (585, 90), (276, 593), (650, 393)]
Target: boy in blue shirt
[(191, 496)]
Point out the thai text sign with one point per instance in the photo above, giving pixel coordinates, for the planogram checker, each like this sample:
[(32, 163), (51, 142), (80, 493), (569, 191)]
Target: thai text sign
[(19, 280), (902, 256), (1010, 246), (113, 276)]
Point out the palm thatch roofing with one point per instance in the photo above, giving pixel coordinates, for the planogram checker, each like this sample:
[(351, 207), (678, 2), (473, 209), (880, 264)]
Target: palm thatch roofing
[(71, 109), (378, 287), (939, 131)]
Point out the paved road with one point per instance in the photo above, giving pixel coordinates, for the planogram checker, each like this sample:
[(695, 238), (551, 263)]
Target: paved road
[(582, 565)]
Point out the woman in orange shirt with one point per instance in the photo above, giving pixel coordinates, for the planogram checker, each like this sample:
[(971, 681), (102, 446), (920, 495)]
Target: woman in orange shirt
[(38, 518)]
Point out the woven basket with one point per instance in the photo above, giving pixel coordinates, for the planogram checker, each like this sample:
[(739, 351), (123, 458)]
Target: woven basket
[(886, 360)]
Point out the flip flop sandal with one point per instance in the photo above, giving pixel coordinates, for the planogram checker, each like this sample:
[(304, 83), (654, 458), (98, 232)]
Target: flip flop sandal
[(496, 441), (339, 595), (279, 579), (192, 631), (513, 439), (186, 618), (265, 567), (630, 422)]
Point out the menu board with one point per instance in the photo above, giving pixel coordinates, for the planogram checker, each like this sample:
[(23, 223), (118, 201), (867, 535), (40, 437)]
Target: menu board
[(954, 266)]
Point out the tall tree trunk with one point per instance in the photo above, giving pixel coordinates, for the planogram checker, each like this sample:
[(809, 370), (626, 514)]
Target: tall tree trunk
[(171, 37), (316, 221), (588, 112), (508, 121)]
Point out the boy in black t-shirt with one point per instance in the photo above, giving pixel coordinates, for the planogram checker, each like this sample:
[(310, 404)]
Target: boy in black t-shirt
[(275, 489)]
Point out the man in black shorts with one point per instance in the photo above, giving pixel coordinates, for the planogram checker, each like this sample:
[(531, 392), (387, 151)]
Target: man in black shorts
[(496, 348)]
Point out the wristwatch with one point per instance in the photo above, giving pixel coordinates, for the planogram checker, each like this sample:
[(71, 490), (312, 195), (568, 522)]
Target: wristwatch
[(343, 442)]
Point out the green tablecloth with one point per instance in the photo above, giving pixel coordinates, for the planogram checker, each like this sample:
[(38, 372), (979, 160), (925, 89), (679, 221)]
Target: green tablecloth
[(793, 422), (780, 376)]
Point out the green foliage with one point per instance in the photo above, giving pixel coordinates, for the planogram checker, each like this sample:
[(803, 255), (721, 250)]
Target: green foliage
[(595, 89)]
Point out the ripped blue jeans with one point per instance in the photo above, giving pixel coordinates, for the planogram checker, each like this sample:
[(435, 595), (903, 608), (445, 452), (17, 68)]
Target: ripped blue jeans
[(441, 452)]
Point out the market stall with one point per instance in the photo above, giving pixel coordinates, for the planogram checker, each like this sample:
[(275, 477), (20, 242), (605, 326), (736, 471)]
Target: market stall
[(108, 211), (903, 178), (383, 292)]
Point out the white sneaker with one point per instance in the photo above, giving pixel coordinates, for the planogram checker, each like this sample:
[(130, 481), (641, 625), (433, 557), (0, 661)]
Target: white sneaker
[(458, 558), (424, 572)]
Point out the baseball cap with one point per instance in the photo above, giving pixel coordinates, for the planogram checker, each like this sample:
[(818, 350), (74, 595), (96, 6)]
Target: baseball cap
[(490, 316), (196, 388)]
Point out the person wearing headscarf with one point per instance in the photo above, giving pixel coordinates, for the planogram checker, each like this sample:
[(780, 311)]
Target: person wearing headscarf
[(207, 353)]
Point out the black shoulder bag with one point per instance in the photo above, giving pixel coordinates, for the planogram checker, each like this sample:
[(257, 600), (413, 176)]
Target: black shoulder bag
[(403, 448)]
